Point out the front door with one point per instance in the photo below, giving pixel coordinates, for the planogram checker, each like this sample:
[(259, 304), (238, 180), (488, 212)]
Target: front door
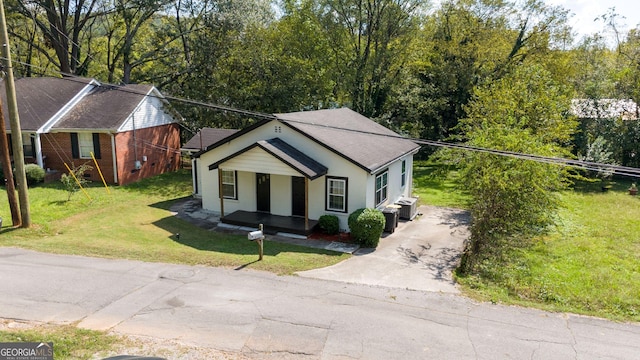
[(297, 196), (263, 188)]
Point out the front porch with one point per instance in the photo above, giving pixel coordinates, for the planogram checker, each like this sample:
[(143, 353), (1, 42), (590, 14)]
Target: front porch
[(272, 223)]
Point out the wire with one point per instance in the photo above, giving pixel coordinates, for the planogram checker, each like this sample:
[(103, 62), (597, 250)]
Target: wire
[(586, 165)]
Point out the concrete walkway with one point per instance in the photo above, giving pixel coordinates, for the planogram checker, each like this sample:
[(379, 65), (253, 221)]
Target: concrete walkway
[(420, 255), (191, 211)]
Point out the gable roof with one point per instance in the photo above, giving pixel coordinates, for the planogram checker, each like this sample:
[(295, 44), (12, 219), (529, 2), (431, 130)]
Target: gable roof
[(39, 99), (285, 153), (206, 137), (106, 107), (357, 138), (352, 136)]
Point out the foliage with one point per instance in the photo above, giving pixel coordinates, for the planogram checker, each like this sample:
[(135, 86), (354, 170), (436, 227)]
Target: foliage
[(75, 180), (366, 226), (598, 152), (34, 173), (582, 266), (330, 224), (511, 197)]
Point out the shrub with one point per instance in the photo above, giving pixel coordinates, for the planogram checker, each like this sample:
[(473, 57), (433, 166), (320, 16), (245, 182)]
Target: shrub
[(35, 174), (366, 226), (69, 182), (330, 224)]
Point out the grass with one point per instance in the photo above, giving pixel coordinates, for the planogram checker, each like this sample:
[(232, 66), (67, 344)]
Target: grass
[(69, 342), (134, 222), (588, 264), (436, 184)]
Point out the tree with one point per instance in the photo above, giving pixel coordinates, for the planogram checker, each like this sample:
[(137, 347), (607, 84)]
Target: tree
[(369, 39), (523, 112), (465, 44), (65, 28)]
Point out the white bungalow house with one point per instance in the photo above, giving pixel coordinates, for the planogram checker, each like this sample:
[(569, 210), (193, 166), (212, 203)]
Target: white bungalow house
[(299, 166)]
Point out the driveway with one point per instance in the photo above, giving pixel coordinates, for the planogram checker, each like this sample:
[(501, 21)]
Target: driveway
[(420, 255)]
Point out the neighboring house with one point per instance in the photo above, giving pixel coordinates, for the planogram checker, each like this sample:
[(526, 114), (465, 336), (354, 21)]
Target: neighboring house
[(605, 109), (206, 137), (303, 165), (131, 130)]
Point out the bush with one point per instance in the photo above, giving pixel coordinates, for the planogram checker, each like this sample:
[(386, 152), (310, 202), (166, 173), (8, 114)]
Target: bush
[(35, 174), (366, 226), (330, 224)]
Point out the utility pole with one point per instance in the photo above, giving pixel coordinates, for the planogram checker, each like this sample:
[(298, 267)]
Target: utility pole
[(8, 172), (18, 151)]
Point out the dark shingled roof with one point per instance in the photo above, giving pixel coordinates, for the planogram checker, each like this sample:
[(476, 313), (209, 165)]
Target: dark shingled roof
[(351, 135), (285, 153), (105, 108), (41, 98), (206, 137)]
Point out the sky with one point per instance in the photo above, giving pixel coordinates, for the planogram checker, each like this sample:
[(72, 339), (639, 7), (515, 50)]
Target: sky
[(585, 11)]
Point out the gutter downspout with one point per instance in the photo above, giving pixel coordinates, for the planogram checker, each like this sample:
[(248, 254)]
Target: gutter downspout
[(115, 159)]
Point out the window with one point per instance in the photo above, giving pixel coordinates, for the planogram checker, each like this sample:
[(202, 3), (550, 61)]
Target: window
[(27, 145), (85, 145), (403, 176), (382, 181), (229, 184), (336, 194), (82, 144)]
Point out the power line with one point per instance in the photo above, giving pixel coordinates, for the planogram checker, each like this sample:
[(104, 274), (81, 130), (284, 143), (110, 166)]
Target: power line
[(586, 165)]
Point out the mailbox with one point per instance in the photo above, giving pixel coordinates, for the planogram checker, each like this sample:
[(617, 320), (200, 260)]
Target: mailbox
[(255, 235)]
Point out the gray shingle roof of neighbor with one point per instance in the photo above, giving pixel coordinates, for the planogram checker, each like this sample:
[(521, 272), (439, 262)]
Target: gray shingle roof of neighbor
[(353, 136), (206, 137), (106, 107), (286, 153), (39, 99), (605, 109)]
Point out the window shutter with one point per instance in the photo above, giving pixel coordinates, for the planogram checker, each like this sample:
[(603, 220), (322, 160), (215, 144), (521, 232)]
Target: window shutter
[(10, 143), (96, 145), (75, 148), (33, 145)]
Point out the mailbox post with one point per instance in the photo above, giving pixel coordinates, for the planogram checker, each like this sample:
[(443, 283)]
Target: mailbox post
[(258, 237)]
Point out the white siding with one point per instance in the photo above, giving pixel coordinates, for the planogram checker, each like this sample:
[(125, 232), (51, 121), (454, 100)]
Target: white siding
[(149, 113), (360, 184), (259, 161)]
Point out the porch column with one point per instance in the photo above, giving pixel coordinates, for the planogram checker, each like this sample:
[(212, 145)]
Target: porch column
[(306, 203), (220, 192), (38, 151)]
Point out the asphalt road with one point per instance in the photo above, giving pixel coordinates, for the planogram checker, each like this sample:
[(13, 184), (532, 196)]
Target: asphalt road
[(265, 316)]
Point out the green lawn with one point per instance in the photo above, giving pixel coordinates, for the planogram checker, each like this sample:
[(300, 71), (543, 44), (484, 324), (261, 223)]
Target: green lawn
[(588, 264), (133, 222), (69, 342), (435, 184)]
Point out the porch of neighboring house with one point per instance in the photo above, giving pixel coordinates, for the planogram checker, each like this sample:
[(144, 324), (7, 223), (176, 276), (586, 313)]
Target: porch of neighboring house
[(272, 224)]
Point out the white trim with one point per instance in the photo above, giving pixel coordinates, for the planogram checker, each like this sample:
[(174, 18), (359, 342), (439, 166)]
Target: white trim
[(343, 195), (383, 186), (67, 107)]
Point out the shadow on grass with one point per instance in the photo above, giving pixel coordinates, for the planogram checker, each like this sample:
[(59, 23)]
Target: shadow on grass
[(198, 238), (615, 184)]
